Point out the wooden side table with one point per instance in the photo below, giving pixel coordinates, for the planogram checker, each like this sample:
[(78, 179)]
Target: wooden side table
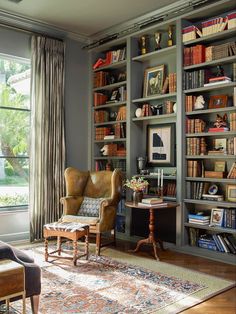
[(151, 238), (69, 230), (12, 282)]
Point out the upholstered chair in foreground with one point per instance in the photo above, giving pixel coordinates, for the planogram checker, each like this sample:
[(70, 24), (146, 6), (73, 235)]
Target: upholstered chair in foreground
[(92, 198), (32, 273)]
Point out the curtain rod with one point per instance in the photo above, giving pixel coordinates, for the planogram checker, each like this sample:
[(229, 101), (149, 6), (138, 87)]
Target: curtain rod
[(29, 31)]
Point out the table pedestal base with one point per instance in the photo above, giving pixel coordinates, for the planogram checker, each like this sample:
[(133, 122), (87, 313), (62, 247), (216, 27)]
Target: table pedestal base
[(152, 241)]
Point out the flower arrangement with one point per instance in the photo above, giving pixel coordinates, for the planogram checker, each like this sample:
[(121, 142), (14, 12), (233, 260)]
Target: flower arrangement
[(136, 184)]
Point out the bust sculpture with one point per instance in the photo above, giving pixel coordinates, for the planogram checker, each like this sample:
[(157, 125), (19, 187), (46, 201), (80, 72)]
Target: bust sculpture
[(220, 121), (199, 103)]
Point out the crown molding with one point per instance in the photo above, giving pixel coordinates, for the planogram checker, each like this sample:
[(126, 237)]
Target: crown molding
[(119, 28), (25, 24)]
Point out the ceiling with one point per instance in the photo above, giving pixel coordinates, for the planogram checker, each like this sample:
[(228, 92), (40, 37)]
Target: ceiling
[(83, 17)]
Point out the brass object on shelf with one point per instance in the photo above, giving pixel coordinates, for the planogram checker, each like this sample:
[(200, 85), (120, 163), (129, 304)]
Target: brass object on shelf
[(157, 36), (143, 44), (170, 36)]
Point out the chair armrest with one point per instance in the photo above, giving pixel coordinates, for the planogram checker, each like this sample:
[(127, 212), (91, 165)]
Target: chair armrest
[(107, 215), (71, 204)]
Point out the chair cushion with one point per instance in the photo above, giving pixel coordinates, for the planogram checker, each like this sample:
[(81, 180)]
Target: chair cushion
[(65, 226), (90, 207), (80, 219)]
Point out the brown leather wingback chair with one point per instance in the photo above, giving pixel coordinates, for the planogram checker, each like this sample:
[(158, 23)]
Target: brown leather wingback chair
[(81, 186)]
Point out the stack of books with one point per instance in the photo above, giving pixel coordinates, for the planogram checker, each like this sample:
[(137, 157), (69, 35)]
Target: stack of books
[(154, 201), (198, 219), (218, 80)]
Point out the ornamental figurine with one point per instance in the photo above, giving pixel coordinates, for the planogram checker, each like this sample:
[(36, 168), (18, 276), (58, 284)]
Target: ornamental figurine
[(143, 44), (220, 121), (170, 36), (157, 36), (199, 103)]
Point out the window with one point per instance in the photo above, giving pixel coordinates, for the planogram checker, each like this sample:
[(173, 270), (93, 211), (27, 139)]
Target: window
[(14, 132)]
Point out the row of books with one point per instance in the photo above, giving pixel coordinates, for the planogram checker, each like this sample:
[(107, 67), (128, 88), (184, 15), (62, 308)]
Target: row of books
[(209, 27), (112, 56), (224, 146), (195, 79), (196, 146), (101, 116), (172, 83), (101, 132), (103, 78), (224, 243), (200, 53), (194, 168), (195, 125), (232, 121), (189, 102), (110, 165), (169, 189)]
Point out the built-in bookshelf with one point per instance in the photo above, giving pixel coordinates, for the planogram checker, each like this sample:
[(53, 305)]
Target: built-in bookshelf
[(197, 147), (210, 146)]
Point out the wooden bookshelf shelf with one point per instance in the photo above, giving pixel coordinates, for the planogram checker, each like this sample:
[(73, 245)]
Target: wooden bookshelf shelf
[(111, 86), (209, 88), (199, 179), (162, 116), (211, 63), (213, 37), (120, 64), (226, 133), (115, 104), (111, 140), (146, 99), (215, 229), (210, 203), (109, 122), (109, 158), (155, 54), (222, 156), (207, 111)]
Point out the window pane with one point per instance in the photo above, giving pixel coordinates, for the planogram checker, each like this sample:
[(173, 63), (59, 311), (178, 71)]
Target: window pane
[(14, 181), (14, 132), (14, 84)]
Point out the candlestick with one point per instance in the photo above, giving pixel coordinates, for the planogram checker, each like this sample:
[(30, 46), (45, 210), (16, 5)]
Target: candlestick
[(158, 178), (161, 178)]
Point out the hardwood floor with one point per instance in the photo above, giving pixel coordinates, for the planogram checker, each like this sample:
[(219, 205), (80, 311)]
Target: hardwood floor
[(223, 303)]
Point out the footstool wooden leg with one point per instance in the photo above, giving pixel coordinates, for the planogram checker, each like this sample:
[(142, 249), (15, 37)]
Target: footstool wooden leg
[(59, 245), (46, 249), (75, 253), (86, 246)]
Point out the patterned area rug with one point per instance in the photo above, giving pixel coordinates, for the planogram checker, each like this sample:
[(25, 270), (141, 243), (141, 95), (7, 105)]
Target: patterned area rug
[(120, 283)]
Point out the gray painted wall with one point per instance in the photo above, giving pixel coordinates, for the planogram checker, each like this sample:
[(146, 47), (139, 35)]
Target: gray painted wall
[(76, 105), (15, 226)]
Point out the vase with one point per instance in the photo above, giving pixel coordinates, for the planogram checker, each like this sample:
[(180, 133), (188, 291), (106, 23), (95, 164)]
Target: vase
[(137, 196)]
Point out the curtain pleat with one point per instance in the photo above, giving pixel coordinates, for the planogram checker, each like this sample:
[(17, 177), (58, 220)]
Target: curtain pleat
[(48, 138)]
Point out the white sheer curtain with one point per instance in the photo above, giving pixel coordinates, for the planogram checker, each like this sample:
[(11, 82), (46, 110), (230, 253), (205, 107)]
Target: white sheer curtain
[(48, 143)]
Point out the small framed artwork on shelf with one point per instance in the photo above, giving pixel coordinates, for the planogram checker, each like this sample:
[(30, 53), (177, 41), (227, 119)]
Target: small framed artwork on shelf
[(218, 101), (217, 215), (161, 145), (153, 80), (231, 192)]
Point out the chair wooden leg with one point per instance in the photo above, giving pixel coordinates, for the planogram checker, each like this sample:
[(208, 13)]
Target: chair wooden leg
[(114, 236), (34, 304), (98, 243)]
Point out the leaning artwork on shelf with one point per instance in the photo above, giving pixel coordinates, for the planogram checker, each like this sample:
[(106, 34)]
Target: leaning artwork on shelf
[(217, 215), (161, 145), (153, 80), (231, 192), (218, 101)]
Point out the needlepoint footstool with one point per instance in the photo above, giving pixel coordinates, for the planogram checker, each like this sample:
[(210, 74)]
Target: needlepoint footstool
[(69, 230)]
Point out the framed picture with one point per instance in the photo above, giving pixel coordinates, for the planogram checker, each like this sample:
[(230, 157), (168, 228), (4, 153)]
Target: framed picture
[(218, 101), (220, 166), (217, 215), (153, 80), (231, 192), (161, 145)]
